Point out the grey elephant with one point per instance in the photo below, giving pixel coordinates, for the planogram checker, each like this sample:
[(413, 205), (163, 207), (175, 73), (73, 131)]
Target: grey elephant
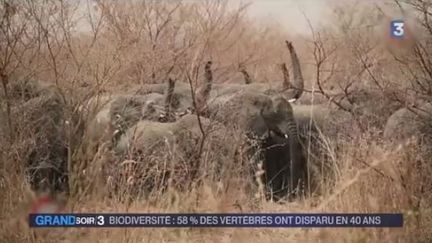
[(146, 133), (113, 115), (263, 112), (408, 131), (407, 123), (269, 120), (42, 119), (162, 152)]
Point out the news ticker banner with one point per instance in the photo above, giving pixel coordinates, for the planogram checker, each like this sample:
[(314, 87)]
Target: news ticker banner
[(216, 220)]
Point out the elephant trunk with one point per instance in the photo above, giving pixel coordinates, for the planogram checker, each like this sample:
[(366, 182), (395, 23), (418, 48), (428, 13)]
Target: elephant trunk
[(169, 116), (286, 78), (298, 81), (297, 163), (203, 93), (282, 123)]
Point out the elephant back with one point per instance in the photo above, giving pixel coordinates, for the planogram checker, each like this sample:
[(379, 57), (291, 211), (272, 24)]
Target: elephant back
[(407, 123)]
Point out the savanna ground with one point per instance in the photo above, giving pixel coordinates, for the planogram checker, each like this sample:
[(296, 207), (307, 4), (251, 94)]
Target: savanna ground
[(86, 48)]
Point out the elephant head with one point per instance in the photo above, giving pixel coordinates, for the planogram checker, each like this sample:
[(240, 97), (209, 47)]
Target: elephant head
[(110, 116), (180, 97), (283, 145), (269, 120)]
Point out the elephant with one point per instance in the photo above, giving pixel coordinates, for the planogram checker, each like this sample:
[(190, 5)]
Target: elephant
[(408, 133), (407, 123), (269, 120), (116, 114), (146, 133), (44, 123), (164, 152)]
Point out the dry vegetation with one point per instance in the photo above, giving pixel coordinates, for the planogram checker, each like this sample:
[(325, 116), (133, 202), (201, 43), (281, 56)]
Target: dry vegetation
[(94, 47)]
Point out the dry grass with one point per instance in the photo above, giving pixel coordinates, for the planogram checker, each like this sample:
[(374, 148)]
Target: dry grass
[(357, 173), (380, 187)]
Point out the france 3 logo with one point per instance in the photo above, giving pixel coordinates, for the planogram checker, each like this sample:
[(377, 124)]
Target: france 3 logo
[(397, 29)]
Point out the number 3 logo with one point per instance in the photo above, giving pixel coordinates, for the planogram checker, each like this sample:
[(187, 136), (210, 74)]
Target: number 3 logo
[(397, 28), (100, 220)]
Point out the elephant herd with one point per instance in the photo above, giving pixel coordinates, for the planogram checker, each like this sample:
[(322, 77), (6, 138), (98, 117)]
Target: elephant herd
[(169, 115), (157, 119)]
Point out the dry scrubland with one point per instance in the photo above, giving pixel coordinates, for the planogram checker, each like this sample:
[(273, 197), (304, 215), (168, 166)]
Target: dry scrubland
[(88, 49)]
